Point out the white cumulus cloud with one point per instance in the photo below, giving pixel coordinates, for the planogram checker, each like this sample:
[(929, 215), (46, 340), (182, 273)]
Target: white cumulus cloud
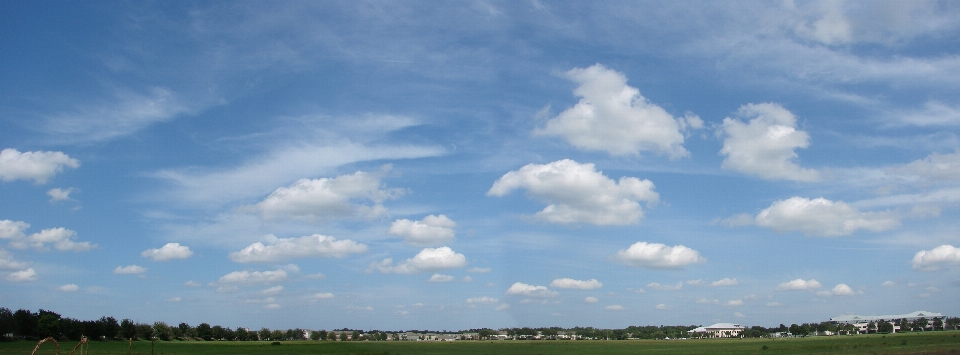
[(7, 262), (765, 145), (734, 303), (254, 277), (725, 282), (13, 229), (822, 217), (613, 117), (839, 290), (482, 300), (282, 249), (356, 195), (69, 288), (798, 284), (591, 299), (522, 289), (22, 275), (591, 284), (935, 167), (615, 307), (428, 259), (429, 231), (577, 193), (129, 269), (659, 256), (439, 278), (168, 251), (58, 194), (37, 166), (60, 238), (934, 259), (322, 296)]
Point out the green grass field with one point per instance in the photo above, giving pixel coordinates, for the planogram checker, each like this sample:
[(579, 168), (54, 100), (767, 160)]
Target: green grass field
[(944, 342)]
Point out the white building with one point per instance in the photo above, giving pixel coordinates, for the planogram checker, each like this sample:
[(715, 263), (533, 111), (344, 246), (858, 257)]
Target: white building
[(719, 330), (861, 322)]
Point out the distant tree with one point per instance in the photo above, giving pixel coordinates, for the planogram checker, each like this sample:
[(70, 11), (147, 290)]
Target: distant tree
[(7, 323), (355, 335), (109, 327), (315, 335), (884, 327), (25, 323), (953, 322), (229, 334), (128, 329), (162, 331), (783, 328), (277, 334), (217, 332), (204, 331), (795, 329), (904, 325), (922, 323), (48, 326), (241, 334), (187, 331), (343, 336), (937, 324), (871, 327), (264, 334), (144, 331)]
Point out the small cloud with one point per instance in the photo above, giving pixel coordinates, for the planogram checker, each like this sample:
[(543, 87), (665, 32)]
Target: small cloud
[(798, 284), (58, 194), (23, 275), (430, 231), (590, 300), (839, 290), (936, 258), (733, 303), (437, 278), (482, 300), (738, 315), (479, 270), (129, 269), (706, 301), (774, 304), (69, 288), (659, 256), (888, 284), (169, 251), (725, 282), (428, 259), (615, 307), (174, 299), (519, 288), (322, 296), (272, 291), (191, 283), (358, 308), (502, 307), (467, 279), (662, 307), (317, 276), (591, 284), (697, 282), (272, 306), (38, 166)]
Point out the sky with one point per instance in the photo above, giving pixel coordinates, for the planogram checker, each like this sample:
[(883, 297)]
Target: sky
[(465, 164)]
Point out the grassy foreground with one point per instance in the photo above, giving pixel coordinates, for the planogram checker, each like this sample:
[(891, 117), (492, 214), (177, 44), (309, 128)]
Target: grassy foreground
[(943, 342)]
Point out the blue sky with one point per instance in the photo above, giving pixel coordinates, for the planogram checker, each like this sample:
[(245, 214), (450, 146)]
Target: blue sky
[(455, 165)]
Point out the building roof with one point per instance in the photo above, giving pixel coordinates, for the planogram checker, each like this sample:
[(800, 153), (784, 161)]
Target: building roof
[(858, 318), (718, 326)]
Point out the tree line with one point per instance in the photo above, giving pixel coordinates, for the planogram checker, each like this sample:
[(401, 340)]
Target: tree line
[(25, 324)]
